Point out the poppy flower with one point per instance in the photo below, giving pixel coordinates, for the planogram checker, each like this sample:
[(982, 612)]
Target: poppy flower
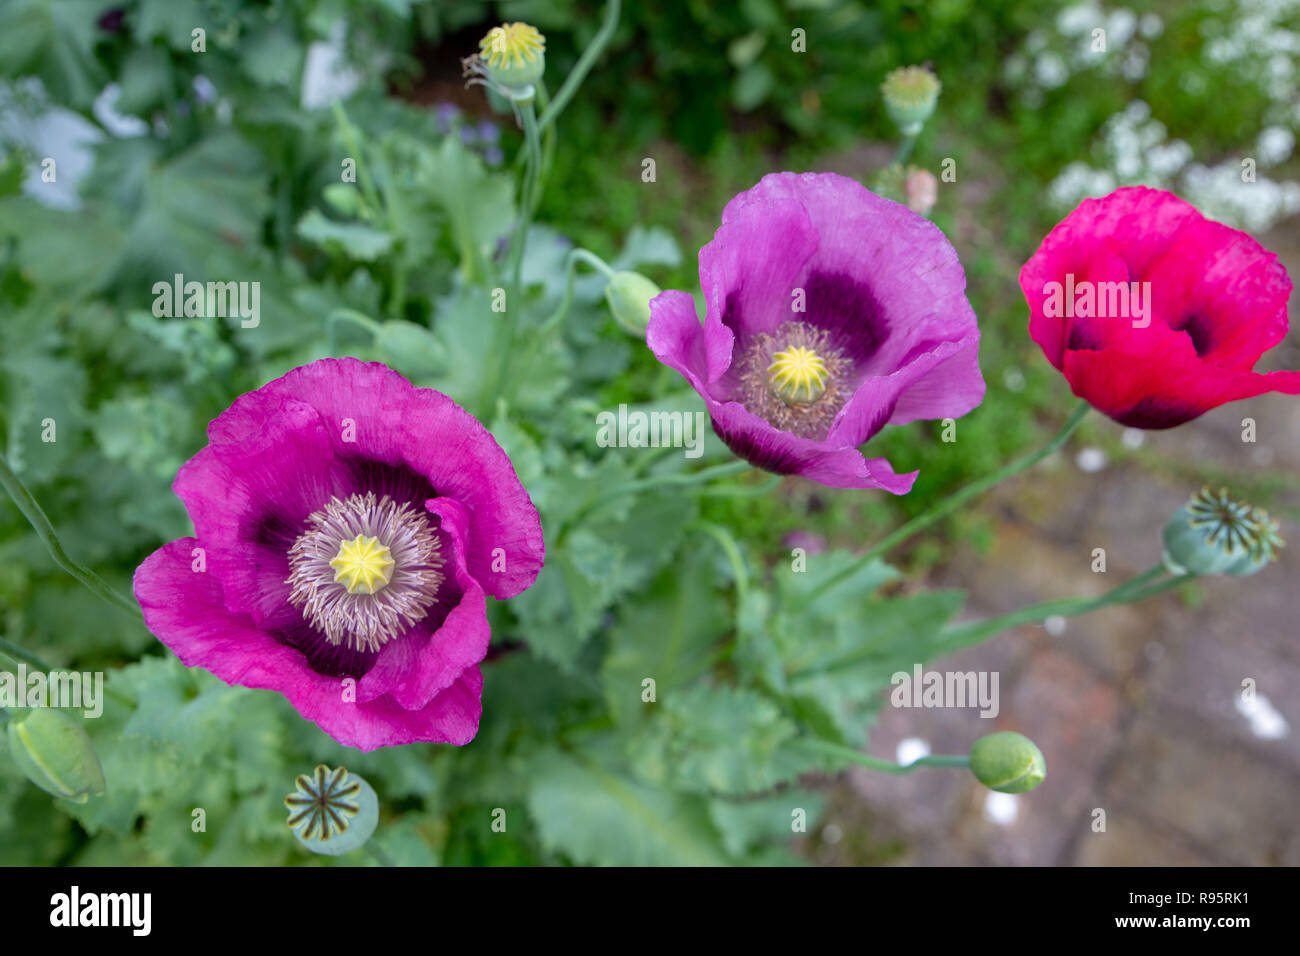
[(1153, 313), (831, 312), (347, 527)]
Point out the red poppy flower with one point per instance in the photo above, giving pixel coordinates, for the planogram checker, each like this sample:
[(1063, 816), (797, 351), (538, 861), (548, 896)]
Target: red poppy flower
[(1154, 313)]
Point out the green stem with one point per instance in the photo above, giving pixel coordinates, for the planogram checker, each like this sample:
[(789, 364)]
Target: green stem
[(45, 531), (495, 385), (905, 149), (876, 763), (538, 335), (731, 550), (353, 146), (582, 67), (11, 650), (1138, 588), (952, 503), (570, 267), (973, 632), (16, 653)]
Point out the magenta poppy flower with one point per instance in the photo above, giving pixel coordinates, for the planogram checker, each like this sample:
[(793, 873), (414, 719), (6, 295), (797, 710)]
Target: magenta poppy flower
[(347, 526), (1153, 313), (832, 312)]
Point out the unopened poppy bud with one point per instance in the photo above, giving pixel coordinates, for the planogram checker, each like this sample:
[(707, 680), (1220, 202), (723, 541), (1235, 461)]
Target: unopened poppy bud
[(1007, 762), (628, 295), (1215, 534), (910, 93), (332, 811), (54, 752), (514, 55)]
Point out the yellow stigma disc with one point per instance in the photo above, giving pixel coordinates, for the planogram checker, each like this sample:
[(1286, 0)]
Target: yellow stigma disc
[(363, 565), (511, 44), (798, 375)]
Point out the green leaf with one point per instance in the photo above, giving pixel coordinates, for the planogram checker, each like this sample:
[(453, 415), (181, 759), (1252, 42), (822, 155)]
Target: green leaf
[(479, 202), (715, 740), (667, 634), (750, 824), (654, 246), (411, 350), (355, 240), (595, 815)]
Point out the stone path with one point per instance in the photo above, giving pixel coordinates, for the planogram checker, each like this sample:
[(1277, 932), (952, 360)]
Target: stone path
[(1137, 709)]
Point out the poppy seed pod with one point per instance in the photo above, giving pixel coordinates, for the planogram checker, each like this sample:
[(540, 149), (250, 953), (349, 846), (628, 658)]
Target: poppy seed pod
[(514, 55), (911, 93), (1007, 762), (1215, 534), (54, 752), (332, 812)]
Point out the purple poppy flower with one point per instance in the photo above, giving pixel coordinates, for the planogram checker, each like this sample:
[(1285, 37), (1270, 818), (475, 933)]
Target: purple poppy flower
[(347, 525), (832, 312)]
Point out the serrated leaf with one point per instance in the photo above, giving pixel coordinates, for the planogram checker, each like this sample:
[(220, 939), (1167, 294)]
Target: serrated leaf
[(746, 825), (597, 816), (714, 739)]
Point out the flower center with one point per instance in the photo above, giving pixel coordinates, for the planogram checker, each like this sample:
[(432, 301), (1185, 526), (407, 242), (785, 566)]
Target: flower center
[(795, 379), (365, 570), (798, 375), (363, 565)]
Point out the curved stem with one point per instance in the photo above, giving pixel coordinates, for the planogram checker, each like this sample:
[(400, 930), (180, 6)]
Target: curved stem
[(732, 551), (582, 67), (876, 763), (953, 502), (45, 531)]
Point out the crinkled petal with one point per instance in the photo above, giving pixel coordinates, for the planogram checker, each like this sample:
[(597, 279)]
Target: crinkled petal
[(372, 414), (185, 610)]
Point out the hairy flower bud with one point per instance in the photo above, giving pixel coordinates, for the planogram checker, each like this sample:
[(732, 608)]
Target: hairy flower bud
[(1007, 762), (628, 295), (54, 752)]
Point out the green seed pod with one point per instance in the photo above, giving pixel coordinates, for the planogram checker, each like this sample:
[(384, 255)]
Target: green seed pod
[(54, 752), (911, 93), (1007, 762), (513, 55), (1216, 534), (332, 811), (628, 295)]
